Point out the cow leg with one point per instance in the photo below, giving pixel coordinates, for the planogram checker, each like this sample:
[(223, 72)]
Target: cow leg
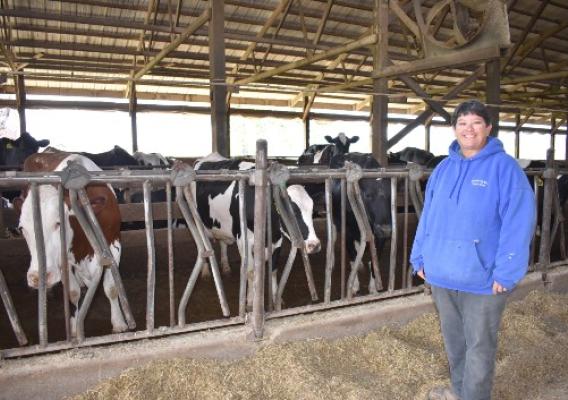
[(225, 267), (74, 296), (372, 287), (111, 291)]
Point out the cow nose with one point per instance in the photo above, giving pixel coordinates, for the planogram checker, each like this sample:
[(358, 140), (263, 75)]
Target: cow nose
[(33, 280), (313, 246)]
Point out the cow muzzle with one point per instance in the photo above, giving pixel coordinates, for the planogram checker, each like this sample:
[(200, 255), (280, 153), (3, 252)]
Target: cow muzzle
[(33, 279), (312, 246)]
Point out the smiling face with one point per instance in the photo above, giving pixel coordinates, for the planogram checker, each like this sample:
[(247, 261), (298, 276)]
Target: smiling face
[(471, 131)]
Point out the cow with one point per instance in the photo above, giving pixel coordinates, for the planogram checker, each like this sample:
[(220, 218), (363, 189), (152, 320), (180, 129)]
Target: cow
[(376, 195), (151, 159), (410, 155), (83, 261), (218, 207), (14, 152), (321, 154), (116, 157)]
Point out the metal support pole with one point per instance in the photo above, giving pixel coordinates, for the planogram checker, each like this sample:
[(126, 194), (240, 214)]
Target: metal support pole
[(260, 179), (150, 246), (40, 254)]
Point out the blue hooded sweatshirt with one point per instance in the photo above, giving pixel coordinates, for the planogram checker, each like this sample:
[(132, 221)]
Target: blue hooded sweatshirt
[(477, 223)]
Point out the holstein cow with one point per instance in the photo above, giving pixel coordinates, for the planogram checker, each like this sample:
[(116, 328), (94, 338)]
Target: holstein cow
[(376, 195), (321, 154), (151, 159), (117, 157), (14, 152), (218, 207), (82, 260), (410, 155)]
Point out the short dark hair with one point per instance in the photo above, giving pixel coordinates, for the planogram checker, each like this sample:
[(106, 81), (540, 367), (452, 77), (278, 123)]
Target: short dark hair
[(471, 107)]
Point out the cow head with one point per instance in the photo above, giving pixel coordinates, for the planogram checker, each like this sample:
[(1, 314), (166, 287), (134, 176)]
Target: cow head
[(303, 206), (342, 142), (51, 225), (376, 195)]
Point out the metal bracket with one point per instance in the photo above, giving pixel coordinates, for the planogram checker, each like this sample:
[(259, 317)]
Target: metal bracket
[(75, 176)]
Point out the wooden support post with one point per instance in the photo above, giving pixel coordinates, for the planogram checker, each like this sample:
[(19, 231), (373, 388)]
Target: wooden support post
[(21, 101), (493, 93), (517, 135), (566, 141), (379, 104), (218, 89), (306, 124), (427, 127), (552, 134), (132, 111)]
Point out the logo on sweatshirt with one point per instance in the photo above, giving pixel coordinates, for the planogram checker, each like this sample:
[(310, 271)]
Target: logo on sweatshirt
[(479, 182)]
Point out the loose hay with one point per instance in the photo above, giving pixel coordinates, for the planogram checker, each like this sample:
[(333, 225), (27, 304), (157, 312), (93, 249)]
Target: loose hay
[(391, 363)]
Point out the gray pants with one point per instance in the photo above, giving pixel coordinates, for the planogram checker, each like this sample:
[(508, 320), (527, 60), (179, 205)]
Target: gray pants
[(470, 323)]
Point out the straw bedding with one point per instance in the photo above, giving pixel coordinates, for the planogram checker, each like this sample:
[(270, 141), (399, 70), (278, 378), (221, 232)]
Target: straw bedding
[(390, 363)]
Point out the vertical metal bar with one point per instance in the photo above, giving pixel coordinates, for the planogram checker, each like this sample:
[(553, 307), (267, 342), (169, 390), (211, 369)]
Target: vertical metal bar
[(406, 270), (11, 311), (330, 250), (184, 208), (95, 280), (394, 236), (210, 253), (171, 281), (343, 237), (64, 262), (40, 249), (244, 248), (269, 266), (533, 244), (99, 243), (150, 247), (260, 206)]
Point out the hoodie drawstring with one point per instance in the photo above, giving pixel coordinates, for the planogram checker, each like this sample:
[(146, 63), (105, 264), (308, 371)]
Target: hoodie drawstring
[(459, 180)]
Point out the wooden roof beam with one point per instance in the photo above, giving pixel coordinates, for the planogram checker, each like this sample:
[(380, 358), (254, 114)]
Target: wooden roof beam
[(202, 19), (366, 41), (455, 59), (524, 34)]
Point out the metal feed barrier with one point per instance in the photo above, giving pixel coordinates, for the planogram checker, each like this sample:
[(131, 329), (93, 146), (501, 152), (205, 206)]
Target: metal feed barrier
[(270, 183)]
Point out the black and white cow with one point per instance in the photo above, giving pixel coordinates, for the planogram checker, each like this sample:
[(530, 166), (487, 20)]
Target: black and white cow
[(116, 157), (151, 159), (218, 207), (12, 156), (376, 194), (410, 155), (321, 154), (14, 152)]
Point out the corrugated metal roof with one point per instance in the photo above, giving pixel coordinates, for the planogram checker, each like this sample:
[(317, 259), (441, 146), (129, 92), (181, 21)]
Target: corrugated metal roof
[(95, 46)]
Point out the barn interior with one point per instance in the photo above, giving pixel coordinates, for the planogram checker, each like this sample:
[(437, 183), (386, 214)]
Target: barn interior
[(372, 61)]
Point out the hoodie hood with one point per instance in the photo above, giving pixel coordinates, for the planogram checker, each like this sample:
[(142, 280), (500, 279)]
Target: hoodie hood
[(492, 146)]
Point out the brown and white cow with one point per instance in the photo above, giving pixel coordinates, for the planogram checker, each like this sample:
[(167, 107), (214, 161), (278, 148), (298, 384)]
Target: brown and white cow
[(82, 260)]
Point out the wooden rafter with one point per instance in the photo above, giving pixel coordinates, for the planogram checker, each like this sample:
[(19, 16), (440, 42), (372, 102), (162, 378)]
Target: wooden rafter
[(524, 34)]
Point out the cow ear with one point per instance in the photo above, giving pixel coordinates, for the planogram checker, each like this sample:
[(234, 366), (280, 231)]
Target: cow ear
[(354, 139), (43, 143), (98, 203), (328, 138)]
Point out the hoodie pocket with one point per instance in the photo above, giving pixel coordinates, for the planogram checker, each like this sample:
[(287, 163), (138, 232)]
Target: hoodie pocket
[(456, 262)]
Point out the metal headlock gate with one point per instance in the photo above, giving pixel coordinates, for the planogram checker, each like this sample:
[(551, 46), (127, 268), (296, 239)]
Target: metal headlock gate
[(270, 185)]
